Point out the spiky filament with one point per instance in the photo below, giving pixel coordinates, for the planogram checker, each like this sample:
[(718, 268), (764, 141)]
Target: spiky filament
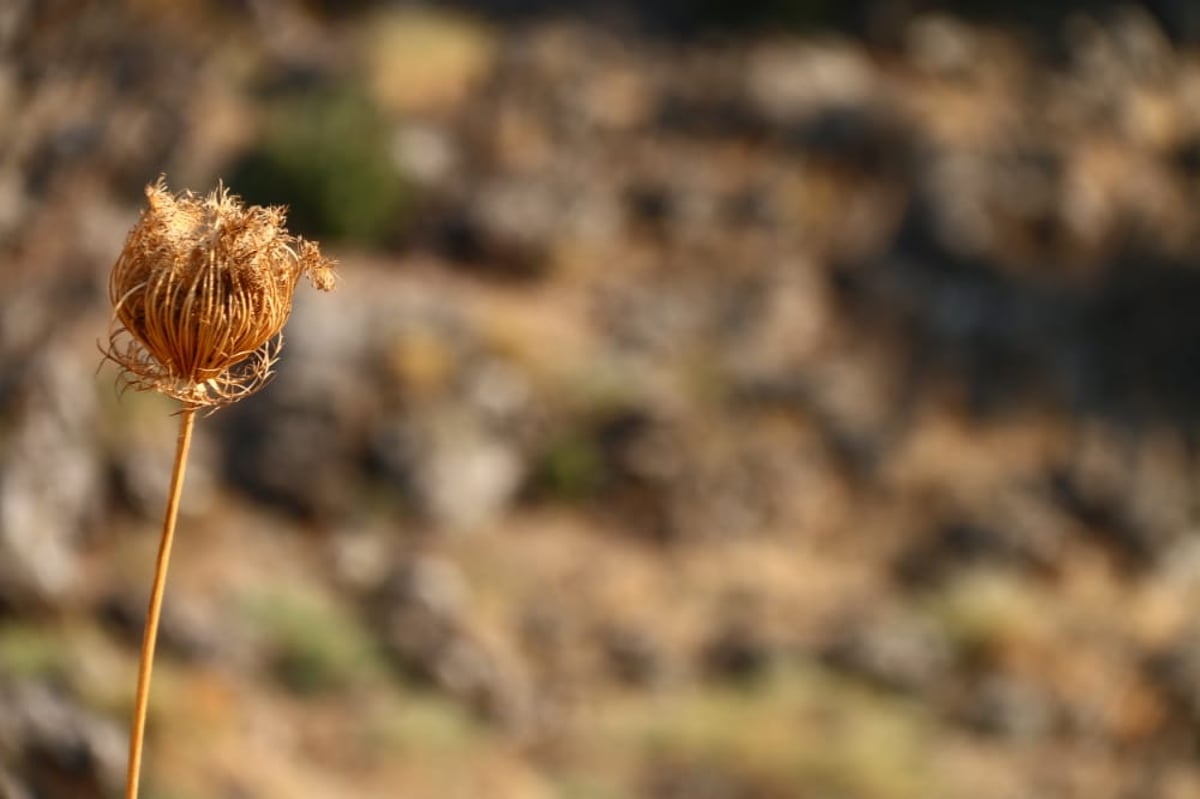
[(201, 292)]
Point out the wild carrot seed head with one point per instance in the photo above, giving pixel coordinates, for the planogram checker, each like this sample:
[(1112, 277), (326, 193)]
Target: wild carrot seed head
[(201, 292)]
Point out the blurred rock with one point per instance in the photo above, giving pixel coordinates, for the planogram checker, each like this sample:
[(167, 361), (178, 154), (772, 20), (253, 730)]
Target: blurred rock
[(1175, 671), (1009, 707), (51, 479), (426, 153), (696, 781), (736, 651), (465, 476), (187, 631), (894, 650), (10, 788), (962, 544), (425, 61), (297, 457), (942, 45), (57, 748), (421, 612), (1104, 489), (142, 436), (634, 654), (360, 556)]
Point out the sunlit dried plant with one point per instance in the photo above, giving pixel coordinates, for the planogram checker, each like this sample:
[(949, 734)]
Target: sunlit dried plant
[(201, 292), (200, 295)]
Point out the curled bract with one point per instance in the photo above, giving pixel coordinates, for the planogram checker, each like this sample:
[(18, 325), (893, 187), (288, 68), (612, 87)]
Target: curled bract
[(201, 292)]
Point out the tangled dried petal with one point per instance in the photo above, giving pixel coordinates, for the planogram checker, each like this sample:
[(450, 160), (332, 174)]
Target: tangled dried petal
[(201, 292)]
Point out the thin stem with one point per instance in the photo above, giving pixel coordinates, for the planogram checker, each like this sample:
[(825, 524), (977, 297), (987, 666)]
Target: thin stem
[(187, 418)]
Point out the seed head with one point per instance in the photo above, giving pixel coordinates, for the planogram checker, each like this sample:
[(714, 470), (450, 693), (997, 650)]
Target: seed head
[(201, 292)]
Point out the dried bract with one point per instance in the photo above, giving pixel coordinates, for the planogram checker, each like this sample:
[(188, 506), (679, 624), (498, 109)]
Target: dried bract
[(201, 292)]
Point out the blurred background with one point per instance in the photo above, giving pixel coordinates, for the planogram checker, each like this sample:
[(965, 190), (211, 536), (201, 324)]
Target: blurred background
[(722, 400)]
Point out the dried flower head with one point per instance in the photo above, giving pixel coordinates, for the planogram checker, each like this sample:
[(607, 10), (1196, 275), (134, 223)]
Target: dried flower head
[(201, 292)]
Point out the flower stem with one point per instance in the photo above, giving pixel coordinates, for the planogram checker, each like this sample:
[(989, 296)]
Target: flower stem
[(187, 418)]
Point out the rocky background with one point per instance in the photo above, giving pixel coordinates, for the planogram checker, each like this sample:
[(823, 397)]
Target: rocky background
[(795, 400)]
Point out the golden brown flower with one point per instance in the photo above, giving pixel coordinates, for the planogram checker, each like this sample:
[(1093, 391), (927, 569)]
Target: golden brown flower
[(201, 292)]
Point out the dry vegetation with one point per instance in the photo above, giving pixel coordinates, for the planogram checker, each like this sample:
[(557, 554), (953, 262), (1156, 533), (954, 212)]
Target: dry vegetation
[(762, 417)]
